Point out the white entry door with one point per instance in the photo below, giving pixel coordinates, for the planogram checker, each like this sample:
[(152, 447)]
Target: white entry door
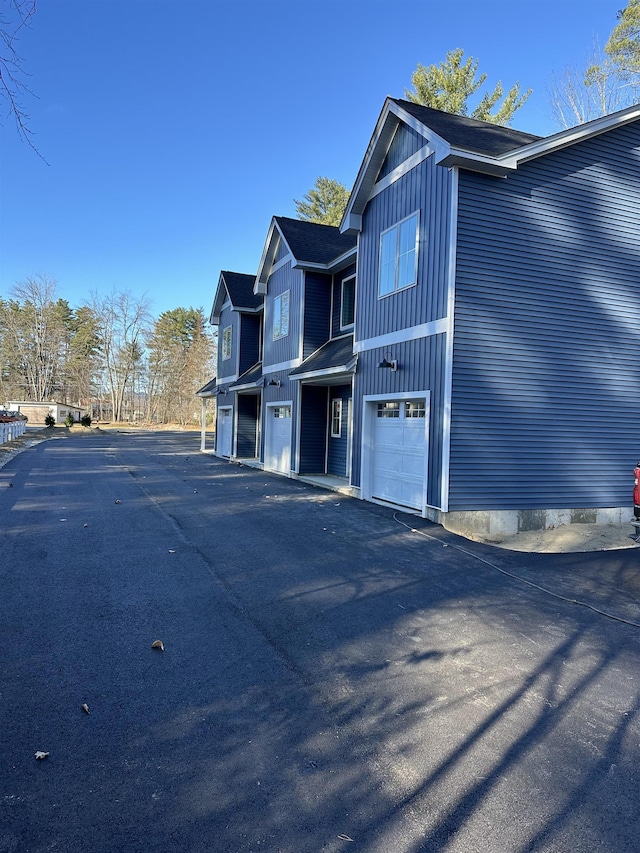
[(398, 462), (225, 431), (277, 448)]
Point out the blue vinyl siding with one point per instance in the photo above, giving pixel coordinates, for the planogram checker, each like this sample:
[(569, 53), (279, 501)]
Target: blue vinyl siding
[(337, 297), (317, 311), (281, 252), (338, 447), (546, 406), (421, 368), (229, 366), (313, 429), (249, 340), (405, 142), (248, 406), (286, 348), (426, 188)]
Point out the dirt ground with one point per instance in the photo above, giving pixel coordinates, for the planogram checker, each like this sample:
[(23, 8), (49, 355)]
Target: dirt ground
[(571, 538)]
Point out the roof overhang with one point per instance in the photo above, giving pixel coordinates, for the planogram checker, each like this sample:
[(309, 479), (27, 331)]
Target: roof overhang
[(328, 375), (268, 254), (450, 156), (337, 264), (222, 294)]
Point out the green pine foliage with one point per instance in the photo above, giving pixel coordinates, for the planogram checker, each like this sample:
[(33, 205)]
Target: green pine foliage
[(325, 202), (449, 86)]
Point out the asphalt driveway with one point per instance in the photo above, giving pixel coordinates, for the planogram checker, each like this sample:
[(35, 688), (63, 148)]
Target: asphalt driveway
[(335, 676)]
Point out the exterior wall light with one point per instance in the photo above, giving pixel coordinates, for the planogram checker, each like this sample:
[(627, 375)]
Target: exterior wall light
[(388, 363)]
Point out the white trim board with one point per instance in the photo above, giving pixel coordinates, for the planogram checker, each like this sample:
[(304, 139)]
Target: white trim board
[(412, 333)]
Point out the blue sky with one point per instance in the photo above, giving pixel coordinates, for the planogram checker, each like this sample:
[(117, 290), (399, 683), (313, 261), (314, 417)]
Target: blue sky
[(174, 129)]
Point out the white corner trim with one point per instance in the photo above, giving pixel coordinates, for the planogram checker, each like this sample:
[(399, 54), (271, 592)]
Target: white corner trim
[(448, 363), (412, 333)]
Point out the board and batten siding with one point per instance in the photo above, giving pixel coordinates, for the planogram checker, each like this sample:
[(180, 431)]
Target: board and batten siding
[(421, 367), (336, 307), (249, 341), (406, 141), (287, 348), (229, 366), (425, 188), (317, 311), (546, 364)]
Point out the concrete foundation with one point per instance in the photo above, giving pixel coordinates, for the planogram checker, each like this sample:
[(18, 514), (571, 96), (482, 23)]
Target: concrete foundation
[(503, 523)]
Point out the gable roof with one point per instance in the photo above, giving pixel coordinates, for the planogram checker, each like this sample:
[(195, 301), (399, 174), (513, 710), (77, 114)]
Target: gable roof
[(466, 133), (460, 141), (310, 245), (237, 287)]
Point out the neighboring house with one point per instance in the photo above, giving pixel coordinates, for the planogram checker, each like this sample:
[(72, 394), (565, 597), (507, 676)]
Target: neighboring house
[(499, 275), (237, 313), (36, 412), (491, 382), (307, 277)]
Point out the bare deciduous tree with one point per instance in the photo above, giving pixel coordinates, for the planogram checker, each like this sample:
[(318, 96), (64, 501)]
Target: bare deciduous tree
[(15, 18), (123, 322)]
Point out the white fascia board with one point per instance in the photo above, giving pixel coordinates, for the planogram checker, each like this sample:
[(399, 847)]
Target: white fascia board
[(569, 137), (372, 161), (499, 168), (335, 265), (327, 371), (412, 333), (220, 299), (265, 261), (351, 223)]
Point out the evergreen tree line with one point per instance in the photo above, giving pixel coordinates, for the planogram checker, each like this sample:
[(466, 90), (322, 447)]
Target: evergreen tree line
[(110, 356)]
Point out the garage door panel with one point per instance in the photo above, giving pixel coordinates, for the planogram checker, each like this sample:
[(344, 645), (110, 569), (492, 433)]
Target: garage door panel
[(399, 452), (278, 439)]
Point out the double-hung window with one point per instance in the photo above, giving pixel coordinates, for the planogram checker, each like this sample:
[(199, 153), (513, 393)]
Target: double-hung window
[(336, 418), (348, 301), (281, 316), (399, 256), (226, 343)]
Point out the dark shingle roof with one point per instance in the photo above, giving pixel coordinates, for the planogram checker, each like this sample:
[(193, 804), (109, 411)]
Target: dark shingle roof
[(240, 289), (337, 353), (482, 137), (312, 242), (251, 376), (209, 389)]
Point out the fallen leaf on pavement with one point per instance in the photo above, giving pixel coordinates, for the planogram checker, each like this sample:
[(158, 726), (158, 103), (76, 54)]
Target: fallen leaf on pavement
[(117, 502), (40, 755), (158, 644)]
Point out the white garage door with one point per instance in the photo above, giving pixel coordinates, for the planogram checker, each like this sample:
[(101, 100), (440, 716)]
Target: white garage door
[(225, 422), (399, 452), (277, 450)]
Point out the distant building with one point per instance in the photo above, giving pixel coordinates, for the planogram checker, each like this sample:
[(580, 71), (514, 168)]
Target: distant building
[(36, 412)]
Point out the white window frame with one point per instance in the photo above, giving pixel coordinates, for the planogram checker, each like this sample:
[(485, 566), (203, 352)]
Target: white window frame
[(388, 233), (280, 318), (336, 415), (343, 325), (227, 339)]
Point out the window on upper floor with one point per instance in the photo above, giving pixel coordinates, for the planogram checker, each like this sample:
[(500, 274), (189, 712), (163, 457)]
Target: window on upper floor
[(281, 316), (399, 256), (348, 301), (226, 343)]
